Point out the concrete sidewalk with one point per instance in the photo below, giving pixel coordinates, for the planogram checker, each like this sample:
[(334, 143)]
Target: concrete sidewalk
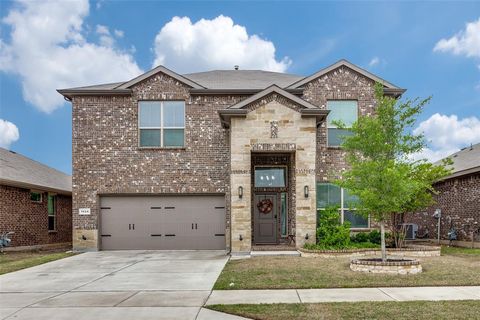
[(343, 295)]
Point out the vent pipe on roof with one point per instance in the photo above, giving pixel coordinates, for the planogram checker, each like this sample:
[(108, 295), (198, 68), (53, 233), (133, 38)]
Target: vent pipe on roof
[(236, 67)]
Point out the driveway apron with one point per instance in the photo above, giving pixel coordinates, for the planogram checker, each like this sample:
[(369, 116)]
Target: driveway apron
[(113, 285)]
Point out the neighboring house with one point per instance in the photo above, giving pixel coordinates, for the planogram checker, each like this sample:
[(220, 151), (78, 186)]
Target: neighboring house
[(35, 202), (212, 160), (458, 199)]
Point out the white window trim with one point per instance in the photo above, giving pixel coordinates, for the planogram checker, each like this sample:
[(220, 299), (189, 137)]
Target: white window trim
[(161, 127)]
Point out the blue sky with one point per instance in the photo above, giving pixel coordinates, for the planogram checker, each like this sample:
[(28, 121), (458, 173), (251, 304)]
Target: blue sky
[(49, 45)]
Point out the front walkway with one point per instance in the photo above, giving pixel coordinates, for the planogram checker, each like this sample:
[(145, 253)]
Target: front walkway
[(343, 295)]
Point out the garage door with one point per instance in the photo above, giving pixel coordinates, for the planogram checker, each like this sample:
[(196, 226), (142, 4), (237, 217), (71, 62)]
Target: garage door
[(162, 222)]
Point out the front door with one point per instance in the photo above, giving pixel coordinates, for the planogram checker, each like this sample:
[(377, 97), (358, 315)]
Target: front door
[(265, 219)]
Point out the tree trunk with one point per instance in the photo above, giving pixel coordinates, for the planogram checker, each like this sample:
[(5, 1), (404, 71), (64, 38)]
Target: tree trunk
[(382, 234)]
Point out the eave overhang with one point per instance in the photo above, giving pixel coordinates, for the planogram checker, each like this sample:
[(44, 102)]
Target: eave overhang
[(394, 92), (226, 116), (26, 185), (319, 114), (69, 93)]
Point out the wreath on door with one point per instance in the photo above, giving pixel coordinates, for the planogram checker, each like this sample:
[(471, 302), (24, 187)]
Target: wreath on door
[(265, 206)]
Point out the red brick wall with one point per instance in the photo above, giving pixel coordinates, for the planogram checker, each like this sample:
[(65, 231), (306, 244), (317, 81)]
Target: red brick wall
[(459, 200), (29, 220), (107, 159), (339, 84)]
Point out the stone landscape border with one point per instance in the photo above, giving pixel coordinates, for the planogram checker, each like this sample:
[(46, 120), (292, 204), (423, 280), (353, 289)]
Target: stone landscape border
[(411, 251), (412, 266)]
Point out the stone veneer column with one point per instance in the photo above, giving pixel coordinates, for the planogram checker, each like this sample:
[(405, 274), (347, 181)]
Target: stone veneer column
[(240, 177), (255, 129)]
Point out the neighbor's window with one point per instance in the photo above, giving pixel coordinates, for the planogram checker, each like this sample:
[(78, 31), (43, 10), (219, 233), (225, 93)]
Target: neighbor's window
[(267, 177), (329, 194), (161, 123), (36, 196), (345, 111), (52, 212)]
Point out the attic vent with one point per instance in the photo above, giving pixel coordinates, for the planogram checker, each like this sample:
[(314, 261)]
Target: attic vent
[(236, 67)]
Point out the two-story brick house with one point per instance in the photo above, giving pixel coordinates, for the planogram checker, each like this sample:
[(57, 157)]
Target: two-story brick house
[(212, 160)]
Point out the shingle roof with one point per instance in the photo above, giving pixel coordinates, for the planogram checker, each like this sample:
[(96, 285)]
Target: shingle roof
[(242, 79), (105, 86), (465, 161), (18, 170), (227, 81)]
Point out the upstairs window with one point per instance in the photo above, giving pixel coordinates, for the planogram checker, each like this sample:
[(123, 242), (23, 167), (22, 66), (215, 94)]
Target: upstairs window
[(345, 111), (161, 123)]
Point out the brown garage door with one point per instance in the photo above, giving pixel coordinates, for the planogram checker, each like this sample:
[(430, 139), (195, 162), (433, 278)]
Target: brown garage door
[(162, 222)]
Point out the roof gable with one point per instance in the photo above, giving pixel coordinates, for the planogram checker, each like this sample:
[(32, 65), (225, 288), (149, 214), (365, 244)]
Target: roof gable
[(339, 64), (156, 70), (273, 89), (241, 109)]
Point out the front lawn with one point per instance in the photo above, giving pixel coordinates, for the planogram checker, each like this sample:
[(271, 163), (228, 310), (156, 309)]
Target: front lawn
[(419, 310), (460, 251), (457, 267), (12, 261)]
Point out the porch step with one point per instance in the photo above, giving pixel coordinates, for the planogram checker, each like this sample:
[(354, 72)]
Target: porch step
[(292, 253)]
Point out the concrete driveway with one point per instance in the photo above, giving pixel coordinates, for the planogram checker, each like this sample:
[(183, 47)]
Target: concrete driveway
[(113, 285)]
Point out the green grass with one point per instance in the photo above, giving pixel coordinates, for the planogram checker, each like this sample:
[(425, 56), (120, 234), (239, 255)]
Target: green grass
[(418, 310), (13, 261), (460, 251), (460, 267)]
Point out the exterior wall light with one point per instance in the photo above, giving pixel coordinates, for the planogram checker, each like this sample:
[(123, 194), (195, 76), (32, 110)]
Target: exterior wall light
[(305, 191), (240, 192), (306, 236), (241, 237)]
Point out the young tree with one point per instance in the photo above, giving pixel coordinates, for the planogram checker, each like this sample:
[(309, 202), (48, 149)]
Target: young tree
[(382, 172)]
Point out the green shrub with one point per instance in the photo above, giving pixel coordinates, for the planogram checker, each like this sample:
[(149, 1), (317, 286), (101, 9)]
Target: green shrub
[(330, 232), (351, 245), (372, 237), (360, 237), (375, 236)]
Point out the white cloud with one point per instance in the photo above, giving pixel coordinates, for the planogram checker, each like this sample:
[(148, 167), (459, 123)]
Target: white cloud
[(101, 29), (377, 62), (447, 134), (48, 51), (118, 33), (466, 42), (8, 133), (374, 61), (213, 44)]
